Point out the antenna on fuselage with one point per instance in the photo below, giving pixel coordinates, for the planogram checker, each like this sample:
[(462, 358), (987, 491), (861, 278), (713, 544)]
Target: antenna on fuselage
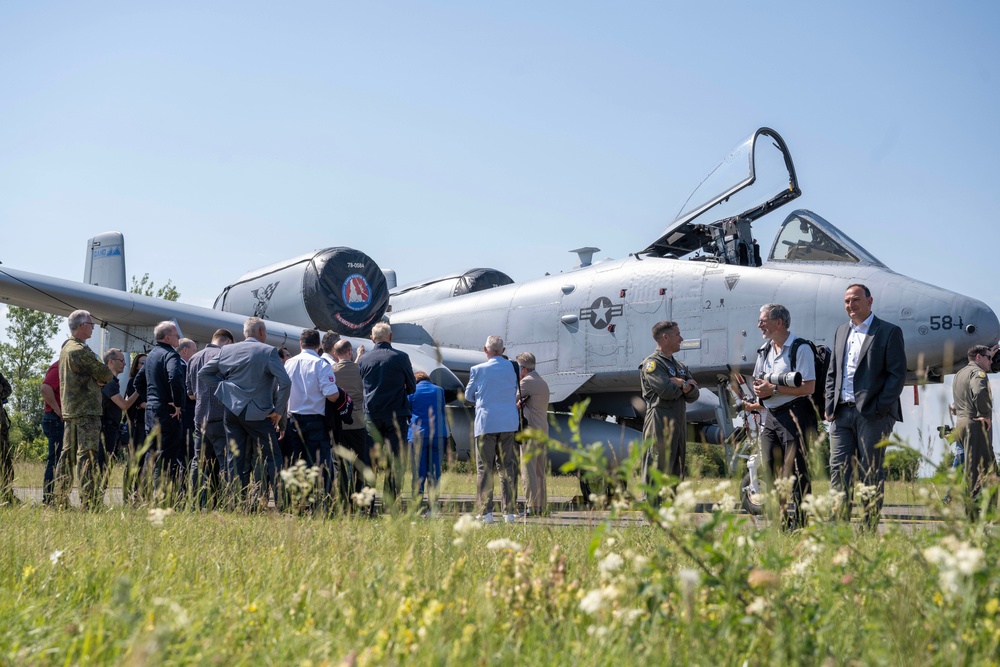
[(586, 255)]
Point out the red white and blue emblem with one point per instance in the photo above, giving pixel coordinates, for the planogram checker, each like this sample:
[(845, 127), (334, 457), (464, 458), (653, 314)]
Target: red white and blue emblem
[(356, 292)]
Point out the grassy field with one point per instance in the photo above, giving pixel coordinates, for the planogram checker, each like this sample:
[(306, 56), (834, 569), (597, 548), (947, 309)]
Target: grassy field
[(29, 475), (141, 587)]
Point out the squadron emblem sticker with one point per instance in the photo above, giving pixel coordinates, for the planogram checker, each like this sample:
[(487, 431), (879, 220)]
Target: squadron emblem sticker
[(356, 292), (263, 296), (650, 366)]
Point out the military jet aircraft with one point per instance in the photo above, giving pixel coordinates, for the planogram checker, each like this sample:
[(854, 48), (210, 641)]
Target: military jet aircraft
[(589, 328)]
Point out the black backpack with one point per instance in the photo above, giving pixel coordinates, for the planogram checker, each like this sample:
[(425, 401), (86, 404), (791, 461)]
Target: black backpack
[(821, 355)]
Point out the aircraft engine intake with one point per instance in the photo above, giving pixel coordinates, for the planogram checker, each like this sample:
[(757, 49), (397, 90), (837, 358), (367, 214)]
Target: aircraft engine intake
[(446, 287), (334, 289)]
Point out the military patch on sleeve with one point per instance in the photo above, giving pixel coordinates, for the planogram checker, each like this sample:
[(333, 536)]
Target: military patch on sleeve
[(981, 374), (650, 366)]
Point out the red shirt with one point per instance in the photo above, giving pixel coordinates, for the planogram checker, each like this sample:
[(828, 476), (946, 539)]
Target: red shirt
[(52, 379)]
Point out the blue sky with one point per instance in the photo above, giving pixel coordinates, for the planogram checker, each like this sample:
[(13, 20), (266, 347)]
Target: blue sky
[(436, 136)]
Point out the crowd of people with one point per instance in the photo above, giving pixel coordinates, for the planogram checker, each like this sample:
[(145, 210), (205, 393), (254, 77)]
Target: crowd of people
[(855, 387), (221, 427)]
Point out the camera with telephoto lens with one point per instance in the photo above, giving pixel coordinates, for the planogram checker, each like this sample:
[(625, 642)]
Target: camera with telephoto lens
[(793, 379)]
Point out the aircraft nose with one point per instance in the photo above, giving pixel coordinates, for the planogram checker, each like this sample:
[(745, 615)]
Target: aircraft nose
[(983, 324), (939, 326)]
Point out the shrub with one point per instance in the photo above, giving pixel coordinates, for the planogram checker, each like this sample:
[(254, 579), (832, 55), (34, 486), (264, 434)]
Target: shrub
[(902, 464)]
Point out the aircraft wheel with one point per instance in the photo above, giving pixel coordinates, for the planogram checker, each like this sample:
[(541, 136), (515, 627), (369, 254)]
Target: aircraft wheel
[(753, 503)]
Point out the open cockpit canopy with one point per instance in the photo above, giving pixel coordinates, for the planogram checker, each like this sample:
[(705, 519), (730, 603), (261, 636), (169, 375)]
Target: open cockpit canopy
[(715, 219)]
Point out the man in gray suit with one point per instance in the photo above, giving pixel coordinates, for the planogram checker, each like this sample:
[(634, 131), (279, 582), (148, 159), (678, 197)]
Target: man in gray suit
[(250, 381), (863, 385)]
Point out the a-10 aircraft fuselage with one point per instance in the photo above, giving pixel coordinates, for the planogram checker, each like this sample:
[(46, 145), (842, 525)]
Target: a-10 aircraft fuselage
[(590, 328)]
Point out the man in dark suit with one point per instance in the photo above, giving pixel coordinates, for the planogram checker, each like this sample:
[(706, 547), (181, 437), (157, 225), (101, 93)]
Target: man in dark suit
[(250, 381), (162, 382), (863, 385), (387, 376)]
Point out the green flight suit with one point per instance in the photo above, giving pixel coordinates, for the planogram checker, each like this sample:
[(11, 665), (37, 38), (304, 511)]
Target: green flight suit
[(666, 408), (973, 399)]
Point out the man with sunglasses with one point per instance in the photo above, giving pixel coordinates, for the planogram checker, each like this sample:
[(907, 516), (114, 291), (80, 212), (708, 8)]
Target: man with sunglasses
[(790, 420)]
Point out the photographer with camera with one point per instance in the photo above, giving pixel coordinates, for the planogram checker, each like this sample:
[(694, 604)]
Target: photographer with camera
[(974, 426), (783, 386)]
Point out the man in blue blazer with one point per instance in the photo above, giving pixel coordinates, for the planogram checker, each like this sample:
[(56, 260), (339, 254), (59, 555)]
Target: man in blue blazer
[(863, 385), (250, 381), (493, 388)]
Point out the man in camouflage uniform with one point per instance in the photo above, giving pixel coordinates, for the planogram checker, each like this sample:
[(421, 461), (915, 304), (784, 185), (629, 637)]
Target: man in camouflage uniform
[(6, 460), (81, 376), (974, 410), (667, 386)]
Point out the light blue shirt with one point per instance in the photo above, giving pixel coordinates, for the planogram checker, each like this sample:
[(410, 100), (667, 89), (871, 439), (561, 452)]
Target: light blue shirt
[(493, 388)]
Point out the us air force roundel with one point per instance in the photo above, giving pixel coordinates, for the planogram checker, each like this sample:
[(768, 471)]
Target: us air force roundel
[(650, 366)]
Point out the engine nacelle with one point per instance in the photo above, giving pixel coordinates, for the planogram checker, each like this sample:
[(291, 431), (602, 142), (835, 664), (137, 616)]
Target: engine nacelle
[(446, 287), (335, 289)]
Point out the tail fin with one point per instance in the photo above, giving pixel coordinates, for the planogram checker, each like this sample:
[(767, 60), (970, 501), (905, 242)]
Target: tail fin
[(106, 261)]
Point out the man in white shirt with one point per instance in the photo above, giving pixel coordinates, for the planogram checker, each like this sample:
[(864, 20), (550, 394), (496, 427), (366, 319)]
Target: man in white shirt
[(313, 384), (790, 422)]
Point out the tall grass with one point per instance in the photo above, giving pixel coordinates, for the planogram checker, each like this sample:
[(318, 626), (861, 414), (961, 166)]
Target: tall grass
[(218, 588)]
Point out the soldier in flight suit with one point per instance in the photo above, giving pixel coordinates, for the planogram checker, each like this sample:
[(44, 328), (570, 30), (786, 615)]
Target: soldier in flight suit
[(973, 428), (667, 386)]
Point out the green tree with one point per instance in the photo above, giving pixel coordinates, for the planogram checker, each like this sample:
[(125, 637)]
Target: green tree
[(146, 287), (23, 362)]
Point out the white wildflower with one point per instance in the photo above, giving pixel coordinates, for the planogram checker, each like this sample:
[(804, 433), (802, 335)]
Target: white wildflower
[(745, 541), (503, 544), (924, 492), (757, 607), (784, 485), (842, 556), (801, 566), (466, 524), (610, 565), (594, 601), (822, 507), (157, 515), (598, 631), (690, 580), (629, 616), (639, 562), (956, 560), (365, 497), (865, 493), (722, 487), (727, 503), (620, 504), (54, 556)]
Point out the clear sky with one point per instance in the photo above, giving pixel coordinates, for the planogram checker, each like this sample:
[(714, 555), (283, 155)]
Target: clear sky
[(437, 136)]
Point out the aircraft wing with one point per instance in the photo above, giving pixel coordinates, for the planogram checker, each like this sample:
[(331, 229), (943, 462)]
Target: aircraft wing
[(563, 385), (135, 315), (460, 360)]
